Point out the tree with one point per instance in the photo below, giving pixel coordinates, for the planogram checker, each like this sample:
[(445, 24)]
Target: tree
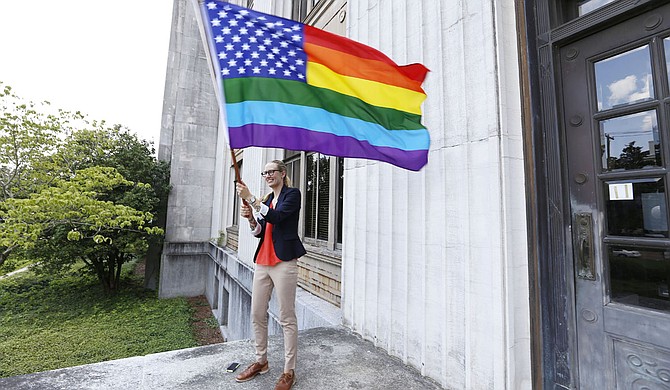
[(27, 133), (76, 220), (75, 189)]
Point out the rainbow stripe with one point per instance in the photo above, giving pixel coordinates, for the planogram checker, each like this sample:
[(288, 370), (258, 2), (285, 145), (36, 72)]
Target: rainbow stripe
[(292, 86)]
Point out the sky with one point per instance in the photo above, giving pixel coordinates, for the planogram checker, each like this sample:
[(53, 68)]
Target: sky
[(106, 59)]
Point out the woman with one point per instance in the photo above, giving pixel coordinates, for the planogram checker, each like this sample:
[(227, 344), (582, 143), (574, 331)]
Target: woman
[(275, 221)]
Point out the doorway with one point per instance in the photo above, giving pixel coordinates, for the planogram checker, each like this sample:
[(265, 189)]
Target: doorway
[(614, 104)]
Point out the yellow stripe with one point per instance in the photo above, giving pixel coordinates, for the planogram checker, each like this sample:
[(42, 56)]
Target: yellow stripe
[(371, 92)]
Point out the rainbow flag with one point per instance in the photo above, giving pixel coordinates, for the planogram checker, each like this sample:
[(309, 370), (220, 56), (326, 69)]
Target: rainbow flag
[(292, 86)]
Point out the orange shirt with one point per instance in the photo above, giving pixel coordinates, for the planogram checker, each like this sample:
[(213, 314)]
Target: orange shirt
[(267, 255)]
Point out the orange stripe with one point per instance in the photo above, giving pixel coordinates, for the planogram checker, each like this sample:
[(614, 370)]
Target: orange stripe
[(368, 69), (336, 42)]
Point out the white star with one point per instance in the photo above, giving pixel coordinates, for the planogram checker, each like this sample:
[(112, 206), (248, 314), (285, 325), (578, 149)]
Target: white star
[(238, 54), (259, 33), (275, 50), (283, 44), (230, 47), (264, 63), (269, 25), (241, 70), (232, 63), (262, 18), (216, 23), (244, 12), (252, 39), (232, 22), (256, 70), (225, 71), (296, 37), (261, 48), (296, 27), (211, 5), (249, 23), (247, 62), (245, 46), (292, 67), (223, 14), (301, 76), (299, 62), (223, 55), (225, 30), (272, 71), (271, 56), (243, 31), (284, 59), (255, 55), (218, 39), (287, 73), (267, 41), (291, 53), (278, 64), (279, 23), (237, 39)]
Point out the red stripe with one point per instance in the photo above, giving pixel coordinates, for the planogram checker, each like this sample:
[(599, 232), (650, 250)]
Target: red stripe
[(319, 37)]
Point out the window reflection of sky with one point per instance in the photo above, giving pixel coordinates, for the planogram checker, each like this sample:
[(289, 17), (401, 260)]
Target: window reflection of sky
[(666, 43), (624, 78), (617, 133), (589, 5)]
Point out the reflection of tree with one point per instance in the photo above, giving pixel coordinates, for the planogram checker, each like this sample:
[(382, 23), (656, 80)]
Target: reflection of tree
[(631, 157)]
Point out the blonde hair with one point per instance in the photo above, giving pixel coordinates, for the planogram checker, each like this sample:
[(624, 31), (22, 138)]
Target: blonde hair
[(286, 180)]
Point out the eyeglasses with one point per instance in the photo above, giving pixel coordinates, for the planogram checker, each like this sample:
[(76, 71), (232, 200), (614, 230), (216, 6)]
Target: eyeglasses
[(269, 172)]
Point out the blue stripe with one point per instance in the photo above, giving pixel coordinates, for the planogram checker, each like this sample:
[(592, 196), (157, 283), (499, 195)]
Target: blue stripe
[(320, 120)]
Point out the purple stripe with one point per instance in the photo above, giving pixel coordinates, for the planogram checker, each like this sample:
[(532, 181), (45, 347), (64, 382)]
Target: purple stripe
[(293, 138)]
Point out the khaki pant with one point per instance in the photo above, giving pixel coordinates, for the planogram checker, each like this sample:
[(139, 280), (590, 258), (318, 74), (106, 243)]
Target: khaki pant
[(284, 278)]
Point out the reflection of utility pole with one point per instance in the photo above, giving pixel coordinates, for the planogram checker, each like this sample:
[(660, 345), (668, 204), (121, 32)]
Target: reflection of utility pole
[(609, 141)]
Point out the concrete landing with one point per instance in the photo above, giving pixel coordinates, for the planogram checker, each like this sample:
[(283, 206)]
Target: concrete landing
[(328, 358)]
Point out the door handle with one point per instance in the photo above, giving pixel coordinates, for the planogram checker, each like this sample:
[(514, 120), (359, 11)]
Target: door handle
[(585, 250)]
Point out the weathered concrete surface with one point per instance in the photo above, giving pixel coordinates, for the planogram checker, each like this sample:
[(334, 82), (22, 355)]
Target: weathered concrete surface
[(328, 358)]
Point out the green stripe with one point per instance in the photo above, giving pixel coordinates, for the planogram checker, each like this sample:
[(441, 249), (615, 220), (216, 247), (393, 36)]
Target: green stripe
[(299, 93)]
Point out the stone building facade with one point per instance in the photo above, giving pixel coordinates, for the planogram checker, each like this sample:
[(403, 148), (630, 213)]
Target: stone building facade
[(498, 265)]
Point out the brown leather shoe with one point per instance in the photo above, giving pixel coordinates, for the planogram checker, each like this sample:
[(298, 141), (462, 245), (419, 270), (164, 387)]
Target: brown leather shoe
[(250, 372), (286, 381)]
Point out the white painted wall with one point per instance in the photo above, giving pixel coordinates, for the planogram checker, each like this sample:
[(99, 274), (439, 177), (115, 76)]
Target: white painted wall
[(435, 262)]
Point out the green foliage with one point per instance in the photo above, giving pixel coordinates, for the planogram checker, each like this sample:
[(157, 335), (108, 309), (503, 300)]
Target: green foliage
[(17, 261), (49, 322), (74, 189), (28, 133)]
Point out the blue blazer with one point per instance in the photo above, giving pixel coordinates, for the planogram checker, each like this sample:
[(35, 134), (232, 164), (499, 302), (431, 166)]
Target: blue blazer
[(284, 220)]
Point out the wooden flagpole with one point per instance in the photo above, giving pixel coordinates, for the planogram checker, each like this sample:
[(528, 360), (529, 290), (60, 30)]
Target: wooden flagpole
[(238, 179)]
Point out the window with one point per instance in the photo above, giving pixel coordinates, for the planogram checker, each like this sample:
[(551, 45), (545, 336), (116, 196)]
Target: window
[(236, 199), (317, 191), (301, 9), (320, 179), (572, 9)]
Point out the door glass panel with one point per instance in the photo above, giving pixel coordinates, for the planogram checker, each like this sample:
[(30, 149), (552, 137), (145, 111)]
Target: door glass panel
[(630, 141), (640, 276), (624, 79), (584, 7), (636, 208), (666, 44)]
